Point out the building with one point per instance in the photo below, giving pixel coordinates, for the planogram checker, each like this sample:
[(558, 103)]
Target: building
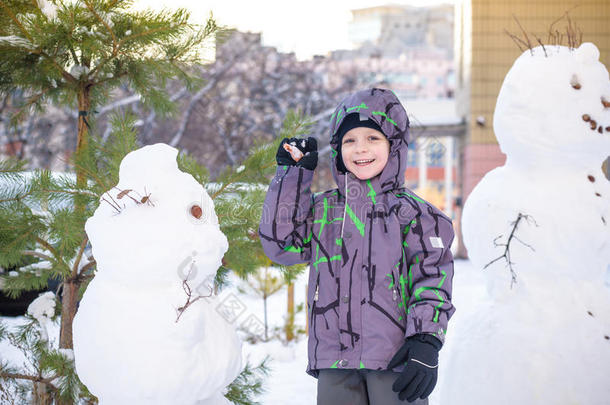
[(392, 29)]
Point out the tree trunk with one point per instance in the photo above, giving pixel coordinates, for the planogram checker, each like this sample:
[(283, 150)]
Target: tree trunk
[(84, 105), (40, 395), (70, 284), (68, 310), (290, 314), (265, 304)]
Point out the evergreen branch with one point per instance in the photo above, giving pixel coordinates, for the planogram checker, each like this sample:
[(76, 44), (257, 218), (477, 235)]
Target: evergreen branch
[(11, 168), (18, 198), (18, 239), (37, 254), (145, 33), (21, 197), (79, 255), (31, 101), (105, 24), (233, 180), (91, 174), (38, 379), (248, 383), (16, 21), (71, 49), (86, 267), (108, 79), (227, 183), (35, 379), (47, 245)]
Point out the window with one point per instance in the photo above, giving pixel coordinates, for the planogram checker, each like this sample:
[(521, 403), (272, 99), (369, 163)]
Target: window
[(434, 154)]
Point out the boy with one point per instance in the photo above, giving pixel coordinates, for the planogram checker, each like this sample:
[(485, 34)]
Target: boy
[(379, 293)]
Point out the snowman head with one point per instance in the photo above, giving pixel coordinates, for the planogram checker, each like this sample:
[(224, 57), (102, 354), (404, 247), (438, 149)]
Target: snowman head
[(554, 105), (164, 228)]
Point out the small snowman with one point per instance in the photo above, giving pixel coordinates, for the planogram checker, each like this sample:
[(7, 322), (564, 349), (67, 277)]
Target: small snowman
[(147, 330), (539, 226)]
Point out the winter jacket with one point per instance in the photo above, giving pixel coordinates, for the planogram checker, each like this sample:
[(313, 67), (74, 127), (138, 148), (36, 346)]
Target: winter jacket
[(380, 265)]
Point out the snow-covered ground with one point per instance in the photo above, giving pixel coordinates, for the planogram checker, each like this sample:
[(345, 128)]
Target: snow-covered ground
[(287, 382)]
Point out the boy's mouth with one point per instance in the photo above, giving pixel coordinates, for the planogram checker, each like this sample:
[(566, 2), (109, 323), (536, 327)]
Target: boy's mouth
[(363, 162)]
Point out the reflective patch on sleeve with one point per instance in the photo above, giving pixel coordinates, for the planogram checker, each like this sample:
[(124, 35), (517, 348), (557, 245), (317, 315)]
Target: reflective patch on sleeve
[(436, 242)]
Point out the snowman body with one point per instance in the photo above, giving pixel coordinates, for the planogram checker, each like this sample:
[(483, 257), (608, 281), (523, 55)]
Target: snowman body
[(541, 339), (132, 342)]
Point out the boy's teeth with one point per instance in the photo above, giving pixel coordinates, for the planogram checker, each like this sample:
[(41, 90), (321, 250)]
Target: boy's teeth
[(364, 161)]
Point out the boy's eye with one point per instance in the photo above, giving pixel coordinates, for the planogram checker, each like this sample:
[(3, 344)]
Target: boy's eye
[(347, 140)]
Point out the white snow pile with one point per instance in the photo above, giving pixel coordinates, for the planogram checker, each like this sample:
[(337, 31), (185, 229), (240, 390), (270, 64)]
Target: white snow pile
[(43, 309), (544, 339), (155, 237), (48, 9)]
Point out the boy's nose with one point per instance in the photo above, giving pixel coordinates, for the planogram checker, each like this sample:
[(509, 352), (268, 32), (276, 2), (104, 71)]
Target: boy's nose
[(361, 147)]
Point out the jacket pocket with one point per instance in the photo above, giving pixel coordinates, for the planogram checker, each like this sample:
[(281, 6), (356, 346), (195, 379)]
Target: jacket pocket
[(397, 295), (312, 296)]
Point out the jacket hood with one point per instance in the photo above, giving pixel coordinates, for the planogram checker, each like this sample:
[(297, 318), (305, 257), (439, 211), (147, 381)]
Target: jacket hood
[(383, 107)]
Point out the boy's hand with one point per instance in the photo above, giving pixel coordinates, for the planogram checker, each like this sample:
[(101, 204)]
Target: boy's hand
[(298, 152), (420, 352)]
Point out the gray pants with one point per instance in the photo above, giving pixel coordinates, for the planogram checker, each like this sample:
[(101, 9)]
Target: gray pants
[(359, 387)]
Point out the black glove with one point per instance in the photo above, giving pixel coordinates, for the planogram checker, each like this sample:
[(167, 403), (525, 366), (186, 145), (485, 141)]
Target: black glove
[(309, 148), (420, 352)]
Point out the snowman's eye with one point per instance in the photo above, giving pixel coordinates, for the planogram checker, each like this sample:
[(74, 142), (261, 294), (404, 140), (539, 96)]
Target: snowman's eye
[(575, 82), (605, 102), (196, 211)]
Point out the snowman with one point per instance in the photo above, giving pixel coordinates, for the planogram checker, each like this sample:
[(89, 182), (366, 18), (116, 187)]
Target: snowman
[(539, 226), (147, 330)]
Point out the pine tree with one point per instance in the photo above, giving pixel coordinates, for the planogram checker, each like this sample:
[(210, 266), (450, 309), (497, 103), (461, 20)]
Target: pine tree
[(74, 53)]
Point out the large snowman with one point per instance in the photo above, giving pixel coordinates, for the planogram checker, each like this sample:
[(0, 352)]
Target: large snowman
[(543, 222), (147, 330)]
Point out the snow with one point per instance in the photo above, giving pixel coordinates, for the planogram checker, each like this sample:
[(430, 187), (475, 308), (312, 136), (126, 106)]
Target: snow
[(48, 9), (13, 40), (287, 382), (540, 338), (131, 342), (43, 307), (541, 335), (78, 71)]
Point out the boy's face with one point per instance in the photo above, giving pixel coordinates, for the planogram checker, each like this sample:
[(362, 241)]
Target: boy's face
[(364, 143)]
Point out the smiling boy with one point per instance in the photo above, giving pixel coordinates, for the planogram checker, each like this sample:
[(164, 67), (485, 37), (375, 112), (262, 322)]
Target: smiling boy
[(381, 269)]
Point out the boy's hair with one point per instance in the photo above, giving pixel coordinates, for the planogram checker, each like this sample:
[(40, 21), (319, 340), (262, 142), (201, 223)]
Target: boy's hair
[(351, 121)]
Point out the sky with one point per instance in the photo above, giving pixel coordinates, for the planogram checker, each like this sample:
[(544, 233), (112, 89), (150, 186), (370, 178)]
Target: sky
[(306, 28)]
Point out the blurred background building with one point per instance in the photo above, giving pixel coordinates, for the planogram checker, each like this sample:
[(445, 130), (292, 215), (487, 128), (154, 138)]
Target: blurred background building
[(446, 63)]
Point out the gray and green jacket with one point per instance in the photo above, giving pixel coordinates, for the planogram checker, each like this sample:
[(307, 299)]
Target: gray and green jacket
[(380, 265)]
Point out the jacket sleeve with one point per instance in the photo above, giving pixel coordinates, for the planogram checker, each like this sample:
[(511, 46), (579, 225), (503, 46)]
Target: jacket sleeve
[(426, 242), (286, 222)]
